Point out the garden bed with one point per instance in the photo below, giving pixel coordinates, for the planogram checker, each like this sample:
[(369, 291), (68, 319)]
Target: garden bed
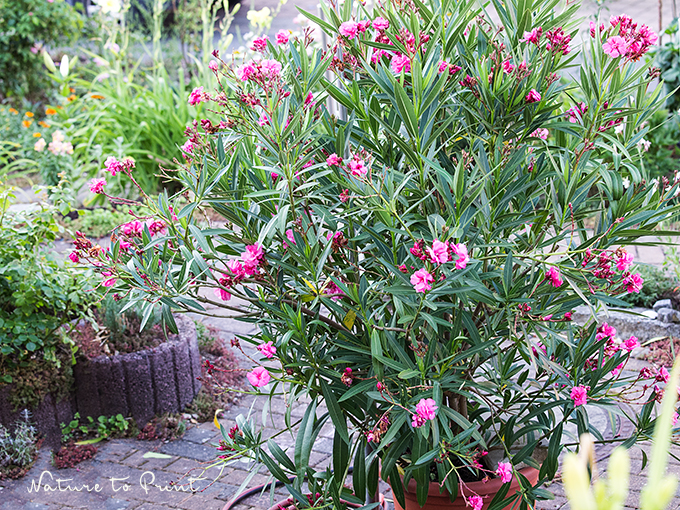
[(162, 379)]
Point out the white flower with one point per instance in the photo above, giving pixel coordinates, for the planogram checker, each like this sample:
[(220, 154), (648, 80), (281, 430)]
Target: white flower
[(626, 182), (644, 144), (109, 6), (619, 129), (260, 18)]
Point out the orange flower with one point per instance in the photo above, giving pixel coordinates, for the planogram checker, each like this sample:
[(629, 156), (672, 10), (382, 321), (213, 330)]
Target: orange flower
[(97, 96), (13, 111), (72, 98), (37, 135), (50, 111), (71, 89), (27, 123), (44, 124), (29, 115)]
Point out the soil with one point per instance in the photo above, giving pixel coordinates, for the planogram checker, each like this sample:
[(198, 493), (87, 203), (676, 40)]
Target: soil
[(92, 344)]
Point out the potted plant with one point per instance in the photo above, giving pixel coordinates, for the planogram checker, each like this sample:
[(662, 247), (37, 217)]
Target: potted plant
[(413, 267)]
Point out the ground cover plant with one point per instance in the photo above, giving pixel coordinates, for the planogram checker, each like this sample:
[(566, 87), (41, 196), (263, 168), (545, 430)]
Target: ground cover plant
[(415, 264)]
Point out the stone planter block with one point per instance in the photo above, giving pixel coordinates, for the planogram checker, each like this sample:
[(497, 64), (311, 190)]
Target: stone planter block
[(87, 390), (111, 383), (139, 386), (165, 386), (185, 385)]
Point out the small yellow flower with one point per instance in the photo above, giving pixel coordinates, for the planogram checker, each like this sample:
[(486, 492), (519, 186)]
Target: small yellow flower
[(50, 111), (29, 115), (37, 135), (27, 123), (13, 111)]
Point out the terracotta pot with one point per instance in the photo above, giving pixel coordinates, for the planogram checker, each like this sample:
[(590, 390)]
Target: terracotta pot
[(441, 501)]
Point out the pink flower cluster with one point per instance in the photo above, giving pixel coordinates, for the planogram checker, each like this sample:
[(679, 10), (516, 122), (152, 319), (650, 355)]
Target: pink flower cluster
[(554, 277), (351, 29), (557, 40), (579, 394), (113, 166), (504, 472), (97, 185), (438, 253), (426, 409), (197, 96), (259, 377), (259, 71), (630, 42)]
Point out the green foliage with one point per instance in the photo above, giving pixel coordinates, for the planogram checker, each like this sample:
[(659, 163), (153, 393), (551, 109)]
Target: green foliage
[(29, 24), (663, 157), (328, 256), (667, 57), (102, 428), (18, 448), (39, 292), (99, 222), (658, 284)]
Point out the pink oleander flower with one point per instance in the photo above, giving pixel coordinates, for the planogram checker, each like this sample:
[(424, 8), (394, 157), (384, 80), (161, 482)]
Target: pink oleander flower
[(630, 344), (259, 377), (541, 133), (662, 375), (421, 280), (271, 68), (349, 29), (222, 294), (533, 96), (113, 166), (364, 25), (212, 65), (579, 394), (263, 120), (357, 167), (110, 282), (236, 268), (617, 370), (197, 96), (674, 419), (443, 66), (400, 63), (74, 257), (439, 252), (267, 349), (282, 37), (188, 147), (334, 160), (508, 67), (381, 23), (633, 283), (605, 331), (425, 410), (476, 502), (504, 471), (97, 185), (553, 274), (533, 37), (259, 44), (251, 258), (615, 46), (246, 72), (309, 100), (134, 228), (624, 262), (462, 252)]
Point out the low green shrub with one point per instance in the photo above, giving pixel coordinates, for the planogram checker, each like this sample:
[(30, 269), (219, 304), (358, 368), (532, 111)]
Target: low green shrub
[(26, 26), (102, 428), (39, 292), (657, 285)]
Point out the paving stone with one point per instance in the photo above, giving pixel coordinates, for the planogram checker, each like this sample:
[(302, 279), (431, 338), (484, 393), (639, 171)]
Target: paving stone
[(35, 506), (552, 504), (135, 460), (189, 450), (117, 504), (198, 435)]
